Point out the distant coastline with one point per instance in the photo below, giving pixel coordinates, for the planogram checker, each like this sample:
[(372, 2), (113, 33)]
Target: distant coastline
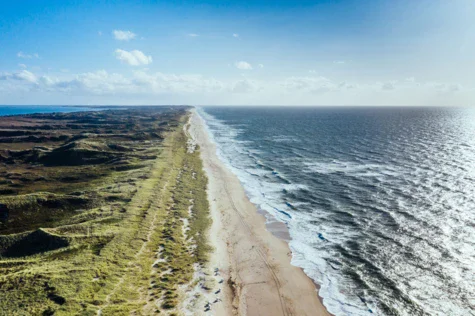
[(7, 110)]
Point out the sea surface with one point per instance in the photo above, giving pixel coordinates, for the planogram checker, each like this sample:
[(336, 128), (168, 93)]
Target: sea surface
[(17, 109), (379, 202)]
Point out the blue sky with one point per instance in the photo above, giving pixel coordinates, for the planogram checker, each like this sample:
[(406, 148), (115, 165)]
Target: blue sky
[(370, 52)]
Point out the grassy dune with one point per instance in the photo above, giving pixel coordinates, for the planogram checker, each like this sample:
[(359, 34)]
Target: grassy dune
[(124, 247)]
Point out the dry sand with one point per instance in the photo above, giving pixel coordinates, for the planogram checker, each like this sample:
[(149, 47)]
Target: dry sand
[(254, 264)]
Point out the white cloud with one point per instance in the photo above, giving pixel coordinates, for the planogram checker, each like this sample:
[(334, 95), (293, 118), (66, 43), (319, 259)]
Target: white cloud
[(345, 85), (340, 62), (243, 65), (103, 83), (133, 58), (102, 87), (245, 86), (316, 84), (23, 75), (193, 35), (388, 86), (27, 56), (261, 66), (123, 35), (236, 35), (447, 88), (172, 83), (22, 65)]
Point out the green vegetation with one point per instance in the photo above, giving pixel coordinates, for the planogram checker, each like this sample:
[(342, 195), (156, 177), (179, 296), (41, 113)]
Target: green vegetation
[(119, 242)]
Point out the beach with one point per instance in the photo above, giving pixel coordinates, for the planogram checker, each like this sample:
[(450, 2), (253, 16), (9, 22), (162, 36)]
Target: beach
[(255, 263)]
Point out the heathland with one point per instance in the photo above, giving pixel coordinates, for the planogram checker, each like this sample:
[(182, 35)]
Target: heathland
[(101, 213)]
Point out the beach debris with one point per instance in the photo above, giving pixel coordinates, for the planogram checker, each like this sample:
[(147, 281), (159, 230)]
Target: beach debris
[(218, 291), (362, 299), (290, 205), (206, 287), (321, 237), (221, 281)]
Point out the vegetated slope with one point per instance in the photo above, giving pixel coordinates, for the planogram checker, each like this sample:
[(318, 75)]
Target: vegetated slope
[(80, 152), (115, 221)]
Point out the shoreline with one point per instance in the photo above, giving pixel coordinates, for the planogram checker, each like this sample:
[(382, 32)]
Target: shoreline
[(254, 257), (281, 231)]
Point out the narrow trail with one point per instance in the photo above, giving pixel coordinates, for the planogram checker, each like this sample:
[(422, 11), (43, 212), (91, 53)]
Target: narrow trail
[(152, 229), (133, 264), (149, 305), (134, 261)]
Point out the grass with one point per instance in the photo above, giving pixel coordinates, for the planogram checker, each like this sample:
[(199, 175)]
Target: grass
[(107, 250)]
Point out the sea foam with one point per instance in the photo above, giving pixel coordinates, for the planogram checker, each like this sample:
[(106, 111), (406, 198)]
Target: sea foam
[(268, 196), (378, 203)]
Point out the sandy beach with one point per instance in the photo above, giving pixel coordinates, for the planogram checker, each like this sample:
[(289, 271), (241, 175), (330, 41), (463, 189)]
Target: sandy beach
[(253, 261)]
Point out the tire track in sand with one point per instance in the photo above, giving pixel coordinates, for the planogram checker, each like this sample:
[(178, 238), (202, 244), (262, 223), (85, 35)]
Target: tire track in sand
[(259, 250)]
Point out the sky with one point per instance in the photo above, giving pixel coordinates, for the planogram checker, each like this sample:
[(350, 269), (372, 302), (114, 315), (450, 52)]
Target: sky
[(260, 52)]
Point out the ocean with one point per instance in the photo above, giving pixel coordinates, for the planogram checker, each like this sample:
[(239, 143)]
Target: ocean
[(30, 109), (379, 201)]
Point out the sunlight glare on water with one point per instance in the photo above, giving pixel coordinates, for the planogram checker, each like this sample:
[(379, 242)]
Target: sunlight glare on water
[(379, 201)]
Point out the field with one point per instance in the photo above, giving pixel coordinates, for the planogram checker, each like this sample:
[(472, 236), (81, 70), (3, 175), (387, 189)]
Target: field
[(101, 213)]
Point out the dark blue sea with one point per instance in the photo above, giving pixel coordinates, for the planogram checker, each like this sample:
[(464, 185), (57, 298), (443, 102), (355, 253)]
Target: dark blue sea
[(20, 109), (379, 201)]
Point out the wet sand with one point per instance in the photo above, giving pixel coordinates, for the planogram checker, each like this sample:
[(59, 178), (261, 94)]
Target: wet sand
[(254, 261)]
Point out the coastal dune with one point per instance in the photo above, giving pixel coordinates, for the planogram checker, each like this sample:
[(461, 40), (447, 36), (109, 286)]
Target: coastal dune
[(253, 262)]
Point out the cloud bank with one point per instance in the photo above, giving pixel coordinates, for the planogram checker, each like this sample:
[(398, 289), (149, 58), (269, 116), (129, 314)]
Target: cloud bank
[(153, 87)]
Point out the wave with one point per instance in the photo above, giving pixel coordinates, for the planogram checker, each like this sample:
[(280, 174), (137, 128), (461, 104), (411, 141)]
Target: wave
[(380, 230), (270, 196)]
